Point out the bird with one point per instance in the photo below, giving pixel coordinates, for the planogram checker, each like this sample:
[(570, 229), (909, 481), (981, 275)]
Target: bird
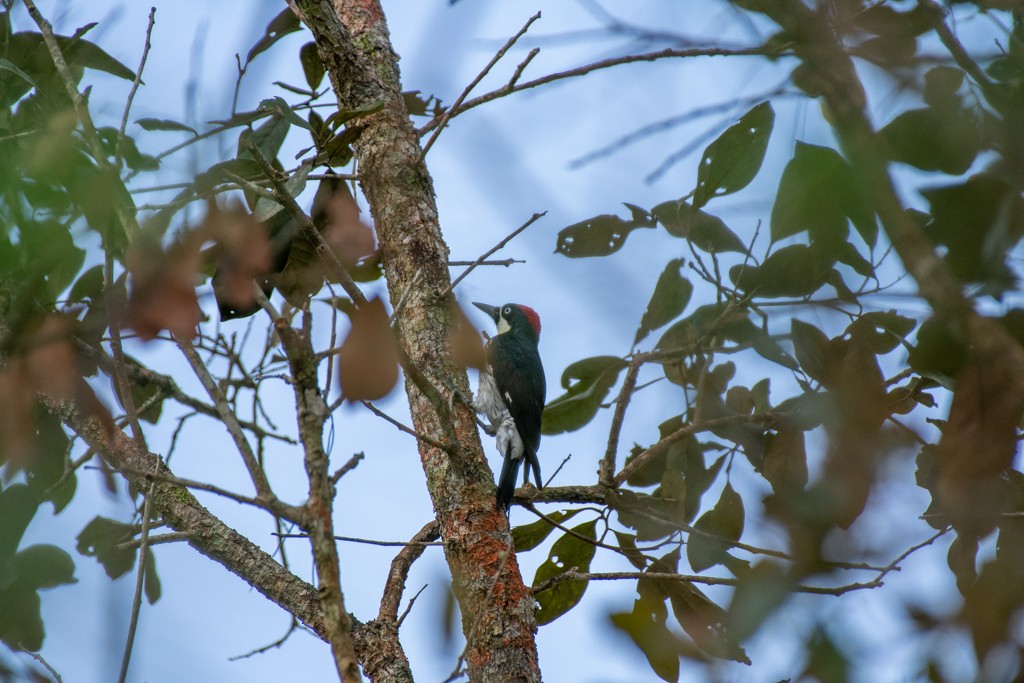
[(511, 394)]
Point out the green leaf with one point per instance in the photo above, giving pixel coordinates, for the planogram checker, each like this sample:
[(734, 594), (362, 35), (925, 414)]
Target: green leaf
[(794, 271), (598, 236), (343, 116), (268, 137), (91, 56), (278, 106), (812, 349), (817, 192), (587, 383), (152, 579), (166, 124), (568, 552), (7, 66), (761, 591), (44, 566), (995, 214), (646, 626), (930, 139), (734, 158), (938, 352), (529, 536), (100, 538), (670, 297), (17, 508), (312, 65), (724, 520), (266, 207), (706, 232), (281, 25), (882, 331), (22, 625), (47, 463)]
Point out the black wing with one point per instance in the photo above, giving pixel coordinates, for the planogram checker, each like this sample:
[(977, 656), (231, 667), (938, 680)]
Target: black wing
[(519, 377)]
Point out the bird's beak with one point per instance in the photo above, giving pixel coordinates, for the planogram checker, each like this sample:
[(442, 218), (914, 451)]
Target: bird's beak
[(489, 310)]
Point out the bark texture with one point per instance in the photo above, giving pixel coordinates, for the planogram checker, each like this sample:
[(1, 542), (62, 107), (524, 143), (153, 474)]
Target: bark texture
[(497, 608)]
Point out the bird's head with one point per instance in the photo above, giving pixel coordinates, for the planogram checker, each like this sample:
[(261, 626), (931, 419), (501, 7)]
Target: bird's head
[(513, 318)]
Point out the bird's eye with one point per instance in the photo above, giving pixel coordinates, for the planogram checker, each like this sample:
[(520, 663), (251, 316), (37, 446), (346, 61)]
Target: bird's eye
[(508, 309)]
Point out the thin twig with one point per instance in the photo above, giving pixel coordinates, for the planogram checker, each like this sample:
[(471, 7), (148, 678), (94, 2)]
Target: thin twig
[(347, 467), (606, 470), (557, 470), (39, 658), (271, 646), (135, 85), (140, 578), (170, 537), (408, 430), (479, 77), (370, 541), (575, 575), (533, 219), (502, 262), (228, 417), (510, 88), (408, 608)]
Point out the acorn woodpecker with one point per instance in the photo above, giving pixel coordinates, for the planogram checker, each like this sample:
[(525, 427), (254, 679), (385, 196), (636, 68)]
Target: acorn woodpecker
[(511, 393)]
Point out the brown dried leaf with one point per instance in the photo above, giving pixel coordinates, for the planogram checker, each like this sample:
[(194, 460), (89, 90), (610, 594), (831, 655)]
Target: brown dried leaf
[(242, 253), (368, 360), (16, 420), (979, 440), (350, 238), (467, 345), (163, 295), (785, 459)]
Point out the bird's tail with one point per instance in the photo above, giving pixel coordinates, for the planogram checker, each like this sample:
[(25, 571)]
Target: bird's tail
[(534, 463), (507, 481)]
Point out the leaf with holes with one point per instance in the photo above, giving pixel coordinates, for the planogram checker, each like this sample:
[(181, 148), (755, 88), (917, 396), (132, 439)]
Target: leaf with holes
[(734, 158), (670, 297), (600, 235), (529, 536), (286, 21), (568, 553)]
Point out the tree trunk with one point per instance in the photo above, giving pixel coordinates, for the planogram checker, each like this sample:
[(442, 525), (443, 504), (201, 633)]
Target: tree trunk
[(497, 608)]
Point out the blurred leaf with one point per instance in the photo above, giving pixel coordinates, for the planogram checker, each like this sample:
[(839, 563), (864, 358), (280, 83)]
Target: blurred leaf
[(44, 566), (163, 295), (706, 232), (368, 358), (46, 467), (670, 297), (529, 536), (17, 508), (22, 625), (930, 139), (587, 383), (312, 65), (567, 553), (784, 465), (996, 216), (817, 192), (724, 520), (811, 347), (343, 116), (166, 124), (826, 662), (734, 158), (794, 271), (100, 539), (152, 580), (645, 625), (759, 593), (467, 345), (600, 235), (7, 66), (278, 106), (939, 352), (281, 25), (882, 331)]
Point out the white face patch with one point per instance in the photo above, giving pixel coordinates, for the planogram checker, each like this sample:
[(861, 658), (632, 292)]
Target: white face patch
[(503, 325)]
